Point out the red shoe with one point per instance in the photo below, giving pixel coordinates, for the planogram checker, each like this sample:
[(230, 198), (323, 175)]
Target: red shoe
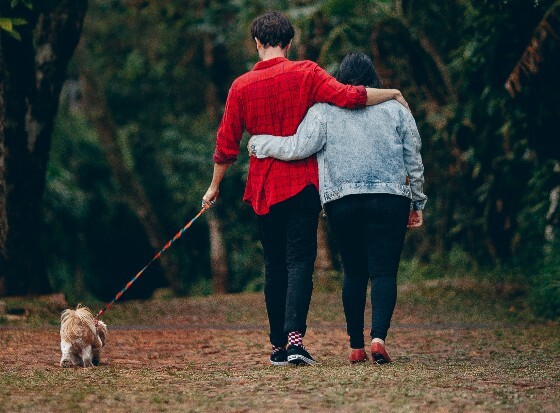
[(358, 355), (378, 353)]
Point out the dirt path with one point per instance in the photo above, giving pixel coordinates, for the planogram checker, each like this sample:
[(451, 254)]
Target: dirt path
[(443, 362), (165, 345)]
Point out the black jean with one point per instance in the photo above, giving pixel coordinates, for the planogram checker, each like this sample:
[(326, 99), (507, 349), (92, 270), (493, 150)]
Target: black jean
[(289, 240), (369, 230)]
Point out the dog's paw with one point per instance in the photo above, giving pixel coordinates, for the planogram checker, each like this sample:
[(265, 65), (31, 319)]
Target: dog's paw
[(95, 361), (66, 363)]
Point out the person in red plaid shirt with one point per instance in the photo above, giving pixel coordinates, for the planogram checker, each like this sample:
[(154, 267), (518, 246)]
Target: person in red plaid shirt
[(273, 99)]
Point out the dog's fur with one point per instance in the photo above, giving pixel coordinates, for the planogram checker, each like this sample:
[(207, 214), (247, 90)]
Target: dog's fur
[(80, 341)]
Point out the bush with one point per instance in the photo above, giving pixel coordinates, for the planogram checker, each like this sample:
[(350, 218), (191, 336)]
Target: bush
[(545, 289)]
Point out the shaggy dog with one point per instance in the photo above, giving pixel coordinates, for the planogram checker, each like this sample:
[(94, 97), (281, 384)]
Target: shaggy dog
[(80, 340)]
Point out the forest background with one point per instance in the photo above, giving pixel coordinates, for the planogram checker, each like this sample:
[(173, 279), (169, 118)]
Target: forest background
[(108, 115)]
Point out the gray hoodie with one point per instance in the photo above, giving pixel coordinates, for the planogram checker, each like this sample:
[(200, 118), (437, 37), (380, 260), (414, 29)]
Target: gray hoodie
[(359, 151)]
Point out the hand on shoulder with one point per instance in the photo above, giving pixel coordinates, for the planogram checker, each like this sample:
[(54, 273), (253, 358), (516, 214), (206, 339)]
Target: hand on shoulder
[(400, 98)]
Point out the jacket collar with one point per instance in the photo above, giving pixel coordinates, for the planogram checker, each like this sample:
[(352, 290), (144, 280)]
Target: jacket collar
[(268, 63)]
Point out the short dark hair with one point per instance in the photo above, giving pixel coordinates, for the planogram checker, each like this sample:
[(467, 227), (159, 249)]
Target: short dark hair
[(358, 69), (272, 29)]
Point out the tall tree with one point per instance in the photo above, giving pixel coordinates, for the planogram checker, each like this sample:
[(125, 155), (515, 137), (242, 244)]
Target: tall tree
[(528, 65), (3, 190), (130, 186), (32, 70), (218, 251)]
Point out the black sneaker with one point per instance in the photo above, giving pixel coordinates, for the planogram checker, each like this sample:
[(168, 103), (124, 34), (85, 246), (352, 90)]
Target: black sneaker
[(279, 358), (298, 355)]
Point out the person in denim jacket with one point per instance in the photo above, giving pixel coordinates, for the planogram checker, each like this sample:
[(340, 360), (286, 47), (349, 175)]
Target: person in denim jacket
[(371, 181)]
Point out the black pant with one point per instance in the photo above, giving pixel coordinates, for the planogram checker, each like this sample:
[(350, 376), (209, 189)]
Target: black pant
[(289, 240), (369, 230)]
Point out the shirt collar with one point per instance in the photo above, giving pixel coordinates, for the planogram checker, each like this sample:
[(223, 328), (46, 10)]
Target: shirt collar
[(268, 63)]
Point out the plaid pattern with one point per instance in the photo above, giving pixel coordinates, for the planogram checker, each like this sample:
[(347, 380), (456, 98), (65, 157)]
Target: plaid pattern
[(273, 99)]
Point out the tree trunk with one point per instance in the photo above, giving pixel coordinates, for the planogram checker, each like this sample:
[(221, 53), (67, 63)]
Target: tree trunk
[(211, 97), (3, 190), (218, 252), (533, 57), (32, 72), (324, 261), (218, 256), (552, 216), (133, 191)]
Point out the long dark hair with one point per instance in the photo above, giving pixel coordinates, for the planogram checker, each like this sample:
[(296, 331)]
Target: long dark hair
[(357, 69)]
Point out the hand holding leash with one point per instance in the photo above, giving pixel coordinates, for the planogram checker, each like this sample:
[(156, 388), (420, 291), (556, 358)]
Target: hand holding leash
[(210, 197)]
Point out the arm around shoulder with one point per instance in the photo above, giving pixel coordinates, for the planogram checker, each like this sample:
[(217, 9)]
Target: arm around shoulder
[(376, 96), (310, 137)]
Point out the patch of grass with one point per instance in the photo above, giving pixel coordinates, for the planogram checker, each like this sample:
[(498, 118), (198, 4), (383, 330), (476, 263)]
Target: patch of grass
[(467, 301), (511, 362), (450, 300), (35, 311), (422, 384)]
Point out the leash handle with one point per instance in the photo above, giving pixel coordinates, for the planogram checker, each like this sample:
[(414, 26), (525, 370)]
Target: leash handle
[(165, 248)]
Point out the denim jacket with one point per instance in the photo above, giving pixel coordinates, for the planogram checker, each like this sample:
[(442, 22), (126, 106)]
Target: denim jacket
[(359, 151)]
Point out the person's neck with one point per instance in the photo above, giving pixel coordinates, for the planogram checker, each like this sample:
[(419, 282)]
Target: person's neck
[(268, 53)]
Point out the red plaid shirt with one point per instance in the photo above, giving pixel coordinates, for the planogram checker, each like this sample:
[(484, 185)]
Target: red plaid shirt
[(273, 99)]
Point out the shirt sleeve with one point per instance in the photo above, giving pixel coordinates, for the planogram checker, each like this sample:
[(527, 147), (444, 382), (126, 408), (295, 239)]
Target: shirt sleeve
[(329, 90), (310, 138), (413, 160), (230, 130)]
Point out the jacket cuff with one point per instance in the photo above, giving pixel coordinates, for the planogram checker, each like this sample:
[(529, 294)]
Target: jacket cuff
[(222, 158), (362, 101), (417, 205)]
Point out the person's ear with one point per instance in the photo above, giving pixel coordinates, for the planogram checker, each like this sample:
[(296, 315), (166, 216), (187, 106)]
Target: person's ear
[(259, 44), (289, 45)]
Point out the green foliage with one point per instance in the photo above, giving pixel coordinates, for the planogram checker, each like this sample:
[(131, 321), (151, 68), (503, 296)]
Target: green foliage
[(26, 3), (545, 292), (166, 68), (156, 85), (9, 24), (454, 264), (545, 288), (92, 242)]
